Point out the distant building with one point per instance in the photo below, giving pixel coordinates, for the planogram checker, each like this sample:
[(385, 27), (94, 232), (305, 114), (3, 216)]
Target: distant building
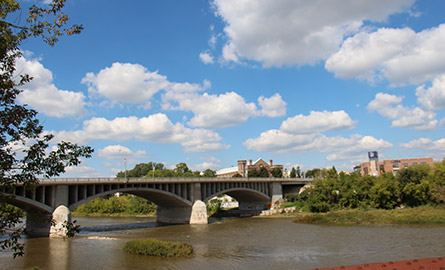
[(375, 167), (244, 167)]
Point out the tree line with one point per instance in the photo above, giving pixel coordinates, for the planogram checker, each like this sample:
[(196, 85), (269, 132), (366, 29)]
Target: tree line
[(158, 170), (411, 187)]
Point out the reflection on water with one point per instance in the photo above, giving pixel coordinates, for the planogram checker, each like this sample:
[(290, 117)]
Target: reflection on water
[(247, 243)]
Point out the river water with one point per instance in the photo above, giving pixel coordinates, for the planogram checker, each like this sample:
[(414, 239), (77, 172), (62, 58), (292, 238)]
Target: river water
[(247, 243)]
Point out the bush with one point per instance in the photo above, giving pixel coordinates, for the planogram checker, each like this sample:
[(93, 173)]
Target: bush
[(154, 247)]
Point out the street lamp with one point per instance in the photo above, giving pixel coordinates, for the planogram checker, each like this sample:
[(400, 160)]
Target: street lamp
[(125, 166)]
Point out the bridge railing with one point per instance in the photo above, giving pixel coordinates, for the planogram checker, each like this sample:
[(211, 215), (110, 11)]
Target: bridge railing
[(168, 180)]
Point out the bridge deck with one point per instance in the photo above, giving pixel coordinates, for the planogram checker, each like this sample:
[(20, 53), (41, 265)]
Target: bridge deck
[(103, 180)]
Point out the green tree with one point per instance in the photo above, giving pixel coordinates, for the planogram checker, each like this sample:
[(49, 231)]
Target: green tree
[(293, 173), (263, 173), (298, 172), (19, 126), (209, 173), (277, 173), (253, 173), (182, 169)]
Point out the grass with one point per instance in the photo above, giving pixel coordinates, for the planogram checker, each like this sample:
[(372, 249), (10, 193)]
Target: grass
[(421, 215), (154, 247)]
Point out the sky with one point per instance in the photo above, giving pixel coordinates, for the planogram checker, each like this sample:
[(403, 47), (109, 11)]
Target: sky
[(313, 84)]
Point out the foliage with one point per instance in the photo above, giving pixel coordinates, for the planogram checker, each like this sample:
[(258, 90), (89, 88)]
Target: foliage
[(277, 173), (154, 247), (123, 205), (209, 173), (414, 186), (263, 173), (181, 170), (293, 173), (359, 217), (24, 147)]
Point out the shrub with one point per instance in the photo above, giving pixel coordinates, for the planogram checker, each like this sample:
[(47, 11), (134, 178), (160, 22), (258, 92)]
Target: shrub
[(154, 247)]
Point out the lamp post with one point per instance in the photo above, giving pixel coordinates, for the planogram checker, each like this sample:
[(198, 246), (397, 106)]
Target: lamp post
[(125, 166)]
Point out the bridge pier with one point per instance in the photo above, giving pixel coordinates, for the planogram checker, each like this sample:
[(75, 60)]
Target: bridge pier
[(61, 218), (196, 214), (38, 223)]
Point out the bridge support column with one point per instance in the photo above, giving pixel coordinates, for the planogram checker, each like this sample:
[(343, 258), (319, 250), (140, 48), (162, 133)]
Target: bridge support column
[(61, 217), (196, 214), (38, 223), (276, 194)]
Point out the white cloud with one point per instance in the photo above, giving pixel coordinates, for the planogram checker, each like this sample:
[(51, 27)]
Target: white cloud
[(156, 128), (211, 111), (318, 122), (204, 166), (389, 107), (432, 98), (81, 171), (273, 106), (206, 58), (132, 83), (425, 144), (119, 152), (400, 55), (42, 95), (280, 33), (278, 141), (342, 148)]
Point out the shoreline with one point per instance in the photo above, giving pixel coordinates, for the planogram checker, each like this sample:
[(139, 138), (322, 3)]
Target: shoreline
[(111, 215)]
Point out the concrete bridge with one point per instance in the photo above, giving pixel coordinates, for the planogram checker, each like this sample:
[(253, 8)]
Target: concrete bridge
[(178, 200)]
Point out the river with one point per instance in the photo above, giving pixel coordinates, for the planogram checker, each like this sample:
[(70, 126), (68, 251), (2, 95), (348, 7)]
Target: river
[(247, 243)]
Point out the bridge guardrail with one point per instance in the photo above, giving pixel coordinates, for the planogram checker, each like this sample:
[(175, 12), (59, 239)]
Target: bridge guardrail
[(169, 180)]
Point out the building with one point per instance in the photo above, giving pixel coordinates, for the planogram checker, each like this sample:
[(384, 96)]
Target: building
[(243, 167), (393, 165)]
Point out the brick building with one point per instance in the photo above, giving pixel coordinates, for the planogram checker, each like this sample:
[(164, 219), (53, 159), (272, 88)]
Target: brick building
[(393, 165), (243, 167)]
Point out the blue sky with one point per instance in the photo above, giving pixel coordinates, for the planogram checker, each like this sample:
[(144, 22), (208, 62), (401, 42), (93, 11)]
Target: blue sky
[(305, 83)]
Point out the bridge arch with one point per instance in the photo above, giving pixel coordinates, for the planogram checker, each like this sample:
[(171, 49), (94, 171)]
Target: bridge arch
[(242, 195), (159, 197), (27, 204)]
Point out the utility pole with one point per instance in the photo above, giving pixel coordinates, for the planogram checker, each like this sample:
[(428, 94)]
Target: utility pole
[(125, 166)]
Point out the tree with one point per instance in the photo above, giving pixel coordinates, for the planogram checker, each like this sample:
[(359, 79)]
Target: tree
[(24, 154), (298, 172), (293, 173), (209, 173), (277, 173), (263, 172)]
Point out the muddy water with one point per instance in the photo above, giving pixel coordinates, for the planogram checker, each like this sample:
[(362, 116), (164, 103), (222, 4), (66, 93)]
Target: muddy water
[(249, 243)]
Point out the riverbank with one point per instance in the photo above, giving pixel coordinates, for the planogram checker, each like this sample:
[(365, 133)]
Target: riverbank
[(421, 215), (74, 214)]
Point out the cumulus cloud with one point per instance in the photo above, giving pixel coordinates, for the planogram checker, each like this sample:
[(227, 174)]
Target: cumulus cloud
[(206, 58), (42, 95), (389, 107), (119, 152), (211, 111), (282, 142), (318, 122), (278, 33), (425, 144), (132, 83), (400, 55), (274, 106), (432, 98), (156, 128)]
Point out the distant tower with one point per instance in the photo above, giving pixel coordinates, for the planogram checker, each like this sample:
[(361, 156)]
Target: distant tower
[(373, 163), (242, 167)]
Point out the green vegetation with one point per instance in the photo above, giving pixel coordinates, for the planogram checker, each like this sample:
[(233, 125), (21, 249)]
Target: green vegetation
[(421, 215), (153, 247), (181, 170), (123, 205), (25, 149), (411, 187)]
